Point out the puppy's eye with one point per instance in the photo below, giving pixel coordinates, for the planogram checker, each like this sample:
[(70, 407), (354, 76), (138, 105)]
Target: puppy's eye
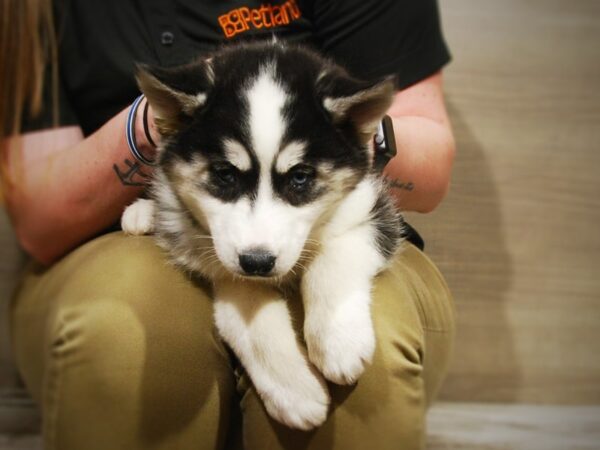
[(301, 176), (224, 172)]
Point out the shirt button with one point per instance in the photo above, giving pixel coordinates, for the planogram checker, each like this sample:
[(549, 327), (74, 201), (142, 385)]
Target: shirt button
[(167, 38)]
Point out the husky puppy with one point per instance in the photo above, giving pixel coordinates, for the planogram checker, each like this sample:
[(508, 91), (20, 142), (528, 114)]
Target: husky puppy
[(265, 180)]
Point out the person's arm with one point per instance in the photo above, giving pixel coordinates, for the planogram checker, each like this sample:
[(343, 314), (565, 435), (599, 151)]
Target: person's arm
[(65, 189), (420, 172)]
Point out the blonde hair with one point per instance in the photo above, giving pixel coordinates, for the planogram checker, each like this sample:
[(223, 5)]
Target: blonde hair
[(27, 50)]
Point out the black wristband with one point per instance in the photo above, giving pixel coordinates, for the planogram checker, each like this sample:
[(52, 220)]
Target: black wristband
[(146, 129), (385, 143)]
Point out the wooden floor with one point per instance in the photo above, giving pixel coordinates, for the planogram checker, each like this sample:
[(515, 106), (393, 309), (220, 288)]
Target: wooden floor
[(20, 443), (464, 426)]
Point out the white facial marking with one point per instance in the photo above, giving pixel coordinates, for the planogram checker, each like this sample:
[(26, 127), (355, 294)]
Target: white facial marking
[(237, 155), (290, 156), (266, 98)]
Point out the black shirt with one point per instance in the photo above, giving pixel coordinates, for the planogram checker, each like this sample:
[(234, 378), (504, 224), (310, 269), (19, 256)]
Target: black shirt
[(100, 42)]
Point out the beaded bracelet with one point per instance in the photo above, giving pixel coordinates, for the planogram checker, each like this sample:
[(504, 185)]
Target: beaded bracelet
[(130, 134)]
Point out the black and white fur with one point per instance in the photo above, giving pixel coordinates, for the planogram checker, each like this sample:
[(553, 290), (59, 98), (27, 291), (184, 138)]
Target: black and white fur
[(265, 180)]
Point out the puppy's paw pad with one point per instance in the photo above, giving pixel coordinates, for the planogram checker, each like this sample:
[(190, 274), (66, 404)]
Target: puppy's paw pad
[(138, 218)]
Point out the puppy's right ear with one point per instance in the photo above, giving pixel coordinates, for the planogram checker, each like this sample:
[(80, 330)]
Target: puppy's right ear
[(362, 103), (175, 93)]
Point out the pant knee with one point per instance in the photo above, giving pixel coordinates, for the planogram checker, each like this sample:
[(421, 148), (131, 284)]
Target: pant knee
[(126, 302), (116, 344), (112, 376), (126, 349)]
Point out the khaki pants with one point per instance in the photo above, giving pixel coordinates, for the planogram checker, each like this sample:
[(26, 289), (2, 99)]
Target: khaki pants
[(120, 351)]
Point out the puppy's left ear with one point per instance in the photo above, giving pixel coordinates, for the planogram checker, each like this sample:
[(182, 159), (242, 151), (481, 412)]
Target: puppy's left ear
[(362, 103), (175, 93)]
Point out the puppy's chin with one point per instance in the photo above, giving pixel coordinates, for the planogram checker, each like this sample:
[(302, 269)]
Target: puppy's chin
[(271, 278)]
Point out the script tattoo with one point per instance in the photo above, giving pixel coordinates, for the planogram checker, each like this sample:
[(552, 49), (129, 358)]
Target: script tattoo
[(406, 186), (127, 176)]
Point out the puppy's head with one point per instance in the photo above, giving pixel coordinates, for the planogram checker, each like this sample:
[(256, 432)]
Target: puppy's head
[(259, 143)]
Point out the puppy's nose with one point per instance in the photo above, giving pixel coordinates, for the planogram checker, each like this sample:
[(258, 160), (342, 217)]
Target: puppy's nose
[(257, 262)]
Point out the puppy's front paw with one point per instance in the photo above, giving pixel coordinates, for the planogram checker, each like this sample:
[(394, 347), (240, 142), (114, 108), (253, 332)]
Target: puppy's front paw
[(341, 344), (301, 403), (138, 218)]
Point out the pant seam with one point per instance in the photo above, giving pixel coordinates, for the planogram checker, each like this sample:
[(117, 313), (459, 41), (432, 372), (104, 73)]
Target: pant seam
[(53, 384)]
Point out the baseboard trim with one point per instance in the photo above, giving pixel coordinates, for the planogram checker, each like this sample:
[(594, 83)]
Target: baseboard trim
[(18, 413)]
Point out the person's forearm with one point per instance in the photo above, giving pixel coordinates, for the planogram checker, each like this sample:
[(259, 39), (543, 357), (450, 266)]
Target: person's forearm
[(420, 171), (62, 196)]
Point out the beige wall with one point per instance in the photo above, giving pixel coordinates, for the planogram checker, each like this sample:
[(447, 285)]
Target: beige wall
[(519, 236)]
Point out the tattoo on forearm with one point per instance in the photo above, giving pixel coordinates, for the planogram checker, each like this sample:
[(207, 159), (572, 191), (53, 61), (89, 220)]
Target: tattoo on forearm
[(405, 186), (127, 175)]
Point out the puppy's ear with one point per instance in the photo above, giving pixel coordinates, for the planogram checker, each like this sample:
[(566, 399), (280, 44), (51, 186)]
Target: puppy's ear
[(361, 103), (175, 93)]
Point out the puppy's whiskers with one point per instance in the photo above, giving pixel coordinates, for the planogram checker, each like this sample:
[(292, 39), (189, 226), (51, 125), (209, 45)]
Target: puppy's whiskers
[(199, 236)]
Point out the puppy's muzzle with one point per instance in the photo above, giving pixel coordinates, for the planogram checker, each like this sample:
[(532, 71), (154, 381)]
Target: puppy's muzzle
[(257, 262)]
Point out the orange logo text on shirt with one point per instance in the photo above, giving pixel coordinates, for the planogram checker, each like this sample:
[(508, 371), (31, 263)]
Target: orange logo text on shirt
[(243, 19)]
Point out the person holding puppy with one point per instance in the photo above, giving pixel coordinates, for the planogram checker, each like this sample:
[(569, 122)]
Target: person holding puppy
[(117, 347)]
